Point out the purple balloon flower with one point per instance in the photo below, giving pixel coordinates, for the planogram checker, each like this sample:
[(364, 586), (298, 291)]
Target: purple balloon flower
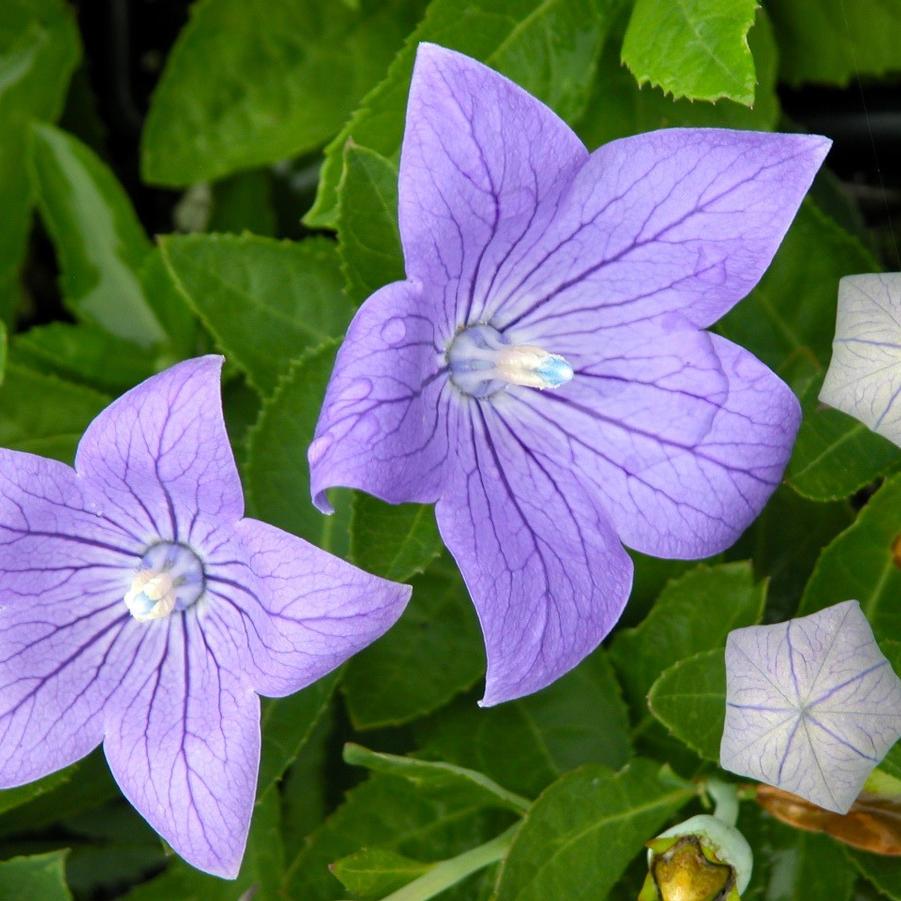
[(139, 608), (812, 705), (532, 264)]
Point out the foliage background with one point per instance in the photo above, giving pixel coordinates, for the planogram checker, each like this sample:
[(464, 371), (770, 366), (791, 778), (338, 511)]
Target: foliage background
[(177, 181)]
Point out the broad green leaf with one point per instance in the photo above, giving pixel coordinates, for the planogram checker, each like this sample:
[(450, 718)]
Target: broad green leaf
[(785, 542), (883, 872), (693, 613), (242, 88), (41, 876), (392, 541), (583, 831), (306, 788), (549, 47), (44, 415), (265, 302), (391, 813), (788, 320), (3, 341), (87, 354), (39, 49), (12, 798), (791, 864), (689, 699), (836, 455), (369, 242), (527, 744), (862, 564), (99, 241), (693, 48), (833, 41), (373, 873), (432, 775), (276, 474), (437, 638), (619, 107), (287, 724)]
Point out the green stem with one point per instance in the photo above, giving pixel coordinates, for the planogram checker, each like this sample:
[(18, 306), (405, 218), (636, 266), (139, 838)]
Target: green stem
[(725, 801), (449, 872)]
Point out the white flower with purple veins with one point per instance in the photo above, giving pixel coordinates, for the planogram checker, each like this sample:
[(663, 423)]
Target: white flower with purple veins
[(138, 608), (864, 377), (812, 705), (544, 375)]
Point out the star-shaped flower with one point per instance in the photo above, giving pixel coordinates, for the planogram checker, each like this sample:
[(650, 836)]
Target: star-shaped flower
[(864, 376), (532, 264), (812, 705), (139, 608)]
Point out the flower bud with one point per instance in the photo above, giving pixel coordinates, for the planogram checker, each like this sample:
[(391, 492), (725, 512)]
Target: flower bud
[(702, 859)]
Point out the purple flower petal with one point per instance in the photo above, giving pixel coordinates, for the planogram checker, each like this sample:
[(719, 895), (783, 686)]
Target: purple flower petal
[(183, 742), (483, 165), (63, 571), (160, 454), (293, 613), (680, 220), (682, 435), (546, 571), (382, 424), (812, 705)]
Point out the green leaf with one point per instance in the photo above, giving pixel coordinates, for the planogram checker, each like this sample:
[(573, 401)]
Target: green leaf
[(284, 82), (3, 341), (41, 876), (393, 541), (437, 638), (11, 798), (391, 813), (526, 744), (619, 107), (376, 872), (243, 202), (99, 241), (693, 48), (39, 49), (693, 613), (836, 455), (881, 871), (86, 354), (549, 47), (44, 415), (276, 475), (874, 576), (689, 699), (369, 242), (785, 542), (287, 724), (287, 296), (788, 320), (583, 831), (431, 775), (833, 41)]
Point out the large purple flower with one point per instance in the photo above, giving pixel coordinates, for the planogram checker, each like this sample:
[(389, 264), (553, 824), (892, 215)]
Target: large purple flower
[(138, 608), (532, 264)]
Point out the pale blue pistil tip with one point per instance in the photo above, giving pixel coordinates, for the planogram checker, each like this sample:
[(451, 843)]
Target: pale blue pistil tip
[(555, 371)]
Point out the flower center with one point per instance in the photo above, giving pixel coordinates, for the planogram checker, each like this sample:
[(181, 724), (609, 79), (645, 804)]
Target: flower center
[(483, 362), (169, 578)]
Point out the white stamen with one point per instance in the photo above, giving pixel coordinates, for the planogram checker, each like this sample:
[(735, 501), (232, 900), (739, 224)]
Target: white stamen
[(151, 596), (170, 577)]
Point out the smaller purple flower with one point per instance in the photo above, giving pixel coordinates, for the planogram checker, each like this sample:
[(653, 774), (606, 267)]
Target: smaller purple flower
[(864, 377), (544, 374), (141, 609), (812, 705)]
